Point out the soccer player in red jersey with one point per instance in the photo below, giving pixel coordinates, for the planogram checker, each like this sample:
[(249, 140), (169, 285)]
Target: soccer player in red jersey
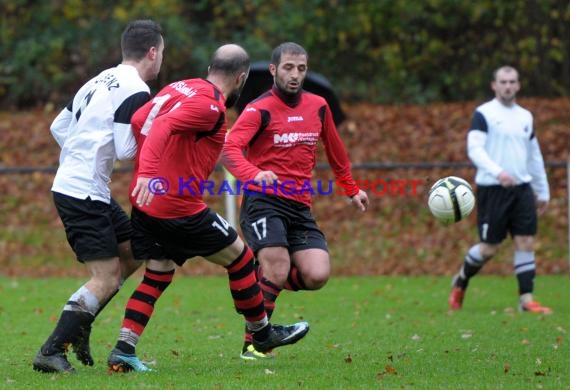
[(180, 134), (279, 132)]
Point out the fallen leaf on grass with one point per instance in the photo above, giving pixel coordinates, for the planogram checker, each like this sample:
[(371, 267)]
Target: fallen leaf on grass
[(388, 370)]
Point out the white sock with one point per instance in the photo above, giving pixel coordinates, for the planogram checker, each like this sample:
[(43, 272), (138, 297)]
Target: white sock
[(525, 298), (85, 300)]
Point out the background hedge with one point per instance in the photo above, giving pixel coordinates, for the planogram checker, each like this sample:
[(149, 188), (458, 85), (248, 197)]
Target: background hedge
[(382, 51)]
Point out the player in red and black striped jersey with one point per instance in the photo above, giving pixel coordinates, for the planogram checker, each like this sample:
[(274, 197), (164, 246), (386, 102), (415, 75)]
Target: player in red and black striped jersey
[(179, 135), (279, 132)]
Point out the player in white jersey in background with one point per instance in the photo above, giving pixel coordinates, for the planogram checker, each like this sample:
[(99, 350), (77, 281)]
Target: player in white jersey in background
[(94, 131), (512, 188)]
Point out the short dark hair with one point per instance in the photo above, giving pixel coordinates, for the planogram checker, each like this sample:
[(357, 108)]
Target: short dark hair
[(230, 60), (138, 37), (506, 68), (289, 48)]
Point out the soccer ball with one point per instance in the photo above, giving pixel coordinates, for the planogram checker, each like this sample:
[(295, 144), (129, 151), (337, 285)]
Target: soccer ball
[(451, 199)]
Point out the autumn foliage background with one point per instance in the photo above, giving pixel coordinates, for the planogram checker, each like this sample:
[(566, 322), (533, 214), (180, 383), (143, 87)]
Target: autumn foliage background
[(393, 64), (397, 236)]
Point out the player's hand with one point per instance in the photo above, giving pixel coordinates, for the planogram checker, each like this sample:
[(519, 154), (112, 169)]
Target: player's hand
[(268, 177), (506, 179), (360, 201), (541, 206), (142, 192)]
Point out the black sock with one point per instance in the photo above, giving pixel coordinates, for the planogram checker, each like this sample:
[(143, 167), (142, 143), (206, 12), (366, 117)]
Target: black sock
[(66, 332), (468, 271), (261, 334), (472, 264), (526, 281), (125, 347)]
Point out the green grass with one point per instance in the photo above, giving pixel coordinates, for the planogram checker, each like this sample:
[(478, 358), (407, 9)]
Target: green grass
[(366, 333)]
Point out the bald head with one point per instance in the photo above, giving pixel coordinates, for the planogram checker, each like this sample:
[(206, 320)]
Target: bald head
[(230, 59), (228, 70)]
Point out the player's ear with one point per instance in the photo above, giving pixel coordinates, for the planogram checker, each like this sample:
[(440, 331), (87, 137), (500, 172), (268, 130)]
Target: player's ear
[(152, 53), (272, 69), (240, 80)]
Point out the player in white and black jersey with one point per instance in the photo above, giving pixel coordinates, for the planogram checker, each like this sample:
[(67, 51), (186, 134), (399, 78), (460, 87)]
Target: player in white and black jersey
[(512, 188), (94, 131)]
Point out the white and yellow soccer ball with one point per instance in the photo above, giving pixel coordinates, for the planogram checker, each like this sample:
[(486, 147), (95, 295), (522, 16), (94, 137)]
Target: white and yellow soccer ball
[(451, 199)]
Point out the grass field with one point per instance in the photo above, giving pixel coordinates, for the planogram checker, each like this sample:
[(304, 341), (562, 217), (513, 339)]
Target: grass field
[(366, 333)]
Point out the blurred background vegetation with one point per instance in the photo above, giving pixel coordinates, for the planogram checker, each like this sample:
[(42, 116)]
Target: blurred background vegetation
[(382, 51), (408, 73)]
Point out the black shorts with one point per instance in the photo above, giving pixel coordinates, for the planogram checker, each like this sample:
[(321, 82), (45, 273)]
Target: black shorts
[(93, 228), (503, 210), (179, 239), (270, 221)]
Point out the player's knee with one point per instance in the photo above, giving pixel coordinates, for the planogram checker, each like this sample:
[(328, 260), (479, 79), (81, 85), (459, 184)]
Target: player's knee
[(316, 280), (488, 250)]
